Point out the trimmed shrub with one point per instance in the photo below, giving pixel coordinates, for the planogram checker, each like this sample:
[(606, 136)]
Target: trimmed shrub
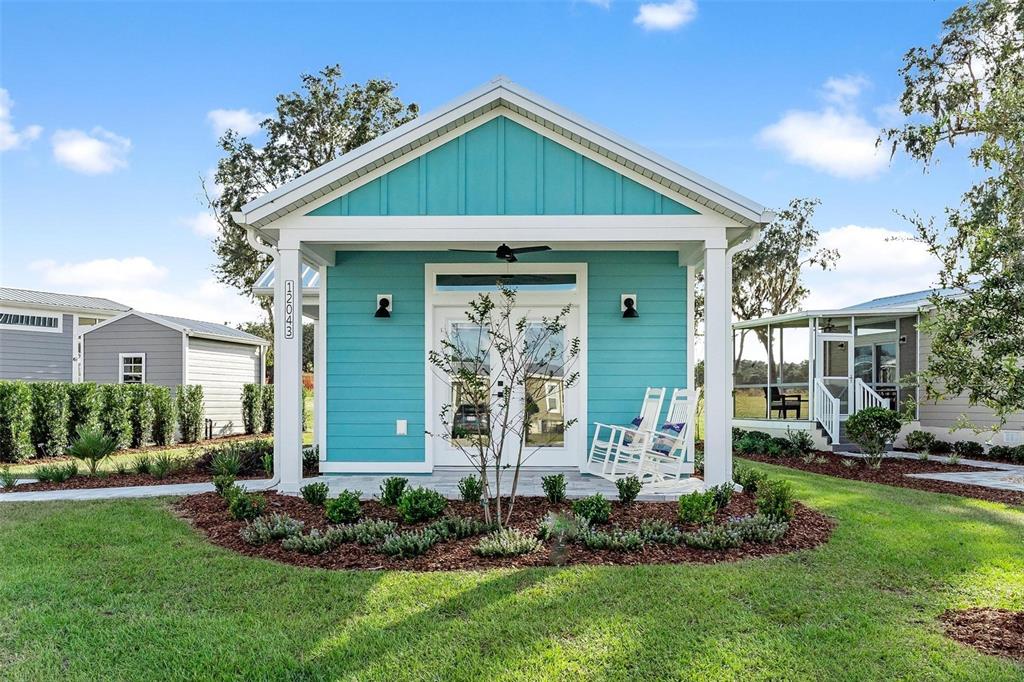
[(940, 447), (775, 499), (267, 401), (115, 414), (629, 488), (246, 506), (367, 532), (721, 494), (55, 473), (190, 413), (562, 527), (697, 507), (919, 441), (748, 478), (83, 406), (874, 429), (15, 421), (458, 527), (713, 536), (164, 415), (409, 544), (594, 509), (421, 504), (344, 508), (92, 446), (252, 408), (616, 540), (315, 493), (507, 542), (661, 532), (274, 527), (471, 489), (316, 542), (800, 441), (554, 487), (49, 418), (391, 490), (969, 448), (222, 484), (142, 413), (758, 528), (311, 458)]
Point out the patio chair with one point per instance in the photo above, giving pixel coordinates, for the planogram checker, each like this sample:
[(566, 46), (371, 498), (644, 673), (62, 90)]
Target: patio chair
[(668, 454), (613, 445), (782, 403)]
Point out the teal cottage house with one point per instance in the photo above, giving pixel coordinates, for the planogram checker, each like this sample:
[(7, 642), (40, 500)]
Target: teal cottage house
[(402, 232)]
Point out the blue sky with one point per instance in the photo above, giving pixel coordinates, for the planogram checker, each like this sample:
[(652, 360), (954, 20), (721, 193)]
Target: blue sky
[(106, 125)]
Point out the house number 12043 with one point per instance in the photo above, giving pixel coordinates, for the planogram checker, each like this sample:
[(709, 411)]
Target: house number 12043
[(289, 308)]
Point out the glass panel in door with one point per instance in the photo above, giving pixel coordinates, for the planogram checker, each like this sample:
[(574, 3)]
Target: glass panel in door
[(835, 357), (470, 389), (545, 386)]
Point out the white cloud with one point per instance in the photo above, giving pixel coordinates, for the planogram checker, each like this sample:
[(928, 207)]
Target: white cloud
[(874, 262), (665, 16), (94, 153), (138, 282), (9, 137), (203, 224), (836, 139), (242, 121)]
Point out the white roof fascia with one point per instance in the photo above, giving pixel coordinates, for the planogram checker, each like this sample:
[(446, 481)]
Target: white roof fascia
[(805, 314)]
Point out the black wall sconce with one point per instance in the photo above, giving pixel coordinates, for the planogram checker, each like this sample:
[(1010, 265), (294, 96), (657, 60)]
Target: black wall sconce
[(383, 305), (628, 302)]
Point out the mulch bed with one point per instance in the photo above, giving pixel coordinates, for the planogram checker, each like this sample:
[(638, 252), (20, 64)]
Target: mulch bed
[(894, 472), (208, 513), (111, 480), (991, 631)]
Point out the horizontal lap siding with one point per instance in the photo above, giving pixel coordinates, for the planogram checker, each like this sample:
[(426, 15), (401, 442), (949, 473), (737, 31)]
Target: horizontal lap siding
[(37, 356), (133, 334), (223, 368), (375, 368)]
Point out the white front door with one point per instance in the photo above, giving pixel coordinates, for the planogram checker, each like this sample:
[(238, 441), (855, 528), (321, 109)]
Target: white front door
[(538, 410), (834, 367)]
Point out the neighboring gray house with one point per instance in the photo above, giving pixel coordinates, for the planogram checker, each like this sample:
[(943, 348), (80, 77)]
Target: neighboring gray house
[(170, 351), (39, 332)]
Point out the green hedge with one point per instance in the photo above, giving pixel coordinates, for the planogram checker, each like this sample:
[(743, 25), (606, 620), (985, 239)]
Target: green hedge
[(190, 413), (252, 408), (83, 407), (15, 421), (141, 397), (164, 415), (49, 418), (268, 408), (115, 414)]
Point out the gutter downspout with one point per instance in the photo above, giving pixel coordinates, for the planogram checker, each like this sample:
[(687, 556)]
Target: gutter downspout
[(749, 243), (254, 242)]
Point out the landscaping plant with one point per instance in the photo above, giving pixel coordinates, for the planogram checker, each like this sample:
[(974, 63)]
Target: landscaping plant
[(49, 418), (310, 459), (919, 441), (267, 401), (969, 448), (471, 489), (164, 415), (142, 413), (15, 421), (409, 544), (391, 490), (143, 464), (92, 446), (594, 509), (245, 506), (420, 504), (265, 529), (874, 429), (697, 507), (775, 499), (344, 508), (115, 414), (507, 542), (163, 465), (55, 473), (190, 412), (554, 487), (83, 406), (721, 494), (367, 532), (800, 441), (268, 464), (562, 527), (629, 488), (7, 478), (747, 477), (252, 408), (617, 540), (315, 542), (223, 484), (315, 493)]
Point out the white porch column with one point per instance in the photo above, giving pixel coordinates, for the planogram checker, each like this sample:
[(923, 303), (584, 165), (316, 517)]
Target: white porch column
[(320, 367), (717, 368), (288, 369)]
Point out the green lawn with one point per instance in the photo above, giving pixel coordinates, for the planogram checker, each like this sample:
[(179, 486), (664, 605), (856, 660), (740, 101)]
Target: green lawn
[(124, 590)]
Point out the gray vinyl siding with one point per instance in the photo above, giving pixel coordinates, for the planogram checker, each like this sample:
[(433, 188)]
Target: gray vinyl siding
[(37, 356), (945, 413), (223, 368), (133, 334), (908, 356)]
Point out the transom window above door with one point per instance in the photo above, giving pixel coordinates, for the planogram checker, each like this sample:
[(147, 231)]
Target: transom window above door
[(518, 282)]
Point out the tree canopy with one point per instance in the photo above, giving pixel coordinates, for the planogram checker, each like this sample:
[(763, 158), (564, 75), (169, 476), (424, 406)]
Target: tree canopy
[(968, 89)]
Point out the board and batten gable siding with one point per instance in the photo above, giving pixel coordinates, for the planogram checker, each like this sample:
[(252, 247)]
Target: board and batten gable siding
[(133, 334), (37, 355), (502, 168), (222, 368), (945, 413), (375, 368)]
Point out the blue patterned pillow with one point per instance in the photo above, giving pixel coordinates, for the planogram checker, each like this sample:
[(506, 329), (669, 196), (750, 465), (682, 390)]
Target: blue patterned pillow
[(637, 421), (669, 427)]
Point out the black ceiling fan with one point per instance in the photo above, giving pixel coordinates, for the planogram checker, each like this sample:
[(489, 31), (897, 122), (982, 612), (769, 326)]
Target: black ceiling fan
[(506, 252)]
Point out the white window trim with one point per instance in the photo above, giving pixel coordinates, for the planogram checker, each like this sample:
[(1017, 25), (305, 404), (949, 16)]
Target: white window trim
[(59, 329), (120, 365)]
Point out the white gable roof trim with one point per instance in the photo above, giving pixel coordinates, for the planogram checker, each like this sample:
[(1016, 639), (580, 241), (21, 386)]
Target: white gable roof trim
[(498, 93), (197, 328)]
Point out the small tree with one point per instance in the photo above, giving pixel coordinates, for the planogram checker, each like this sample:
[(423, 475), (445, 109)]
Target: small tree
[(522, 350), (874, 429), (190, 412)]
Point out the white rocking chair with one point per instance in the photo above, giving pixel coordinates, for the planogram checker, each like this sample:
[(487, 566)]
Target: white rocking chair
[(669, 453), (622, 446)]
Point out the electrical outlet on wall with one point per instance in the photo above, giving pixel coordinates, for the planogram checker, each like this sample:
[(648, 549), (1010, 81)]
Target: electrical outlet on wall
[(402, 427)]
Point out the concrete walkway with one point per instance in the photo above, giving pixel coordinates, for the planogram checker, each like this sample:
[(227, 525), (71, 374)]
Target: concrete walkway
[(998, 476), (173, 489)]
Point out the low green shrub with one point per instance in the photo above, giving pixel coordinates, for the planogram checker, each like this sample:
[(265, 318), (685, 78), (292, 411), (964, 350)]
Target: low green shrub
[(919, 441), (190, 412), (697, 507), (1000, 452), (800, 441), (458, 527), (737, 435), (758, 528), (721, 495), (420, 504), (163, 465), (752, 443), (143, 464), (245, 506), (49, 418), (15, 421), (311, 459), (367, 531), (409, 544), (252, 408), (747, 477), (344, 508), (594, 509), (969, 448), (92, 446), (616, 540), (225, 485), (55, 473), (940, 447), (874, 429), (775, 499), (698, 459), (268, 464), (240, 458), (7, 478), (115, 415), (83, 406), (507, 542), (660, 532), (265, 529), (315, 493), (471, 489), (554, 487), (628, 488), (165, 415), (562, 527), (314, 542), (140, 397), (391, 489), (713, 536)]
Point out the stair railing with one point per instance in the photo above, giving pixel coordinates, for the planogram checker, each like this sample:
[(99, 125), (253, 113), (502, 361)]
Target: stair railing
[(864, 396), (826, 410)]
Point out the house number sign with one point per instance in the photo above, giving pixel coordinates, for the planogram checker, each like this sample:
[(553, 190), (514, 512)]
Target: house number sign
[(289, 308)]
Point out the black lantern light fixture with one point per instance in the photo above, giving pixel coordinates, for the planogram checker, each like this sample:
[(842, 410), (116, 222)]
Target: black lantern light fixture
[(629, 306), (383, 305)]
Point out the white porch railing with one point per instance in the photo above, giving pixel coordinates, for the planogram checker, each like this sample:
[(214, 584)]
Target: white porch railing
[(826, 409), (864, 396)]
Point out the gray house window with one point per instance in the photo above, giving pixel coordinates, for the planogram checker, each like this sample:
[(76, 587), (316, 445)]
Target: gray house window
[(132, 368), (30, 321)]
